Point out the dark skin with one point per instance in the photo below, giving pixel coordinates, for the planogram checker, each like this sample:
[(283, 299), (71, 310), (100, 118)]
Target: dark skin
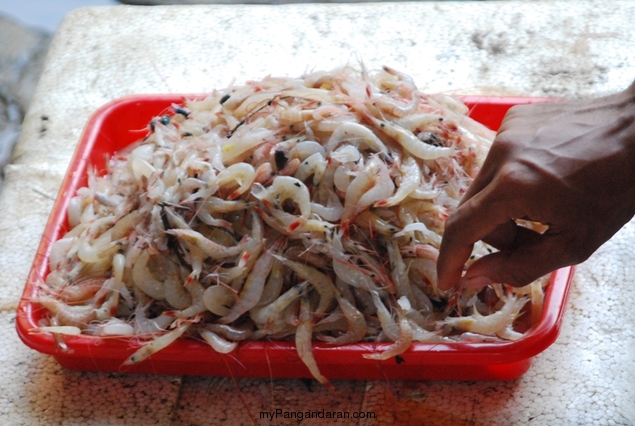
[(569, 165)]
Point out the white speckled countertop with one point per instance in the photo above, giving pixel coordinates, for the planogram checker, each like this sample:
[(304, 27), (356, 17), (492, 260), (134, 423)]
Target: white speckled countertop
[(566, 49)]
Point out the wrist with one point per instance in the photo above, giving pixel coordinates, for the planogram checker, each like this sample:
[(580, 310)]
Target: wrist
[(630, 91)]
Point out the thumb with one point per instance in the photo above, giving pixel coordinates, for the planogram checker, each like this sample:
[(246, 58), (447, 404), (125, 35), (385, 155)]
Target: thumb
[(517, 267)]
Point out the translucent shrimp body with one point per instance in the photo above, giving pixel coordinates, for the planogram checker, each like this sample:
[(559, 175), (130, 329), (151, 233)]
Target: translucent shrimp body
[(156, 345), (282, 208), (403, 342), (322, 282), (410, 142), (252, 289), (238, 144), (303, 342), (355, 319), (207, 246), (243, 174), (410, 180), (497, 322), (286, 188), (358, 135)]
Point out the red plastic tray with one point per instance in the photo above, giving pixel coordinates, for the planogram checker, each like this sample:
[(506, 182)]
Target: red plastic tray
[(124, 121)]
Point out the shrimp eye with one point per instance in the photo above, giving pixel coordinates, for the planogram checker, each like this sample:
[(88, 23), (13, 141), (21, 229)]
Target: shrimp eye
[(281, 159), (224, 98), (165, 120), (430, 138), (185, 113)]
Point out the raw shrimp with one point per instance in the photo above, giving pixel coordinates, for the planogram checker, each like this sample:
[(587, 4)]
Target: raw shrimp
[(314, 165), (264, 173), (273, 311), (217, 205), (344, 267), (67, 330), (285, 208), (234, 334), (304, 345), (388, 324), (346, 154), (410, 180), (288, 116), (401, 345), (410, 142), (175, 293), (92, 251), (407, 85), (419, 121), (428, 236), (358, 135), (362, 183), (285, 188), (352, 274), (383, 186), (78, 292), (425, 251), (239, 144), (59, 251), (243, 174), (490, 324), (425, 268), (356, 321), (399, 271), (252, 290), (157, 344), (292, 225), (113, 327), (390, 105), (273, 286), (219, 344), (210, 248), (304, 149), (218, 299), (78, 316), (332, 210), (144, 279), (369, 220), (197, 292), (320, 281)]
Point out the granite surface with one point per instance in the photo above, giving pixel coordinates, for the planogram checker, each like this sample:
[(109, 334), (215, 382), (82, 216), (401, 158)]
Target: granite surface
[(563, 49)]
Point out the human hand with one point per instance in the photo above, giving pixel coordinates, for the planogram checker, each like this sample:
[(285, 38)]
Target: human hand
[(567, 165)]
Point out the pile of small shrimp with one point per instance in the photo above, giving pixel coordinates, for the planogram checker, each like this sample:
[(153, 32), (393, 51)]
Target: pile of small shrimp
[(304, 208)]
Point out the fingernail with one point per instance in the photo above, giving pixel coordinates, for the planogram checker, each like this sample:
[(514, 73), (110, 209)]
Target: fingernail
[(475, 282)]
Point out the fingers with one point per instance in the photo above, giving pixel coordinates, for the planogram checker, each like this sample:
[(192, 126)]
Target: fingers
[(498, 154), (524, 256), (474, 220), (452, 257), (502, 190), (517, 267), (483, 178), (510, 235)]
